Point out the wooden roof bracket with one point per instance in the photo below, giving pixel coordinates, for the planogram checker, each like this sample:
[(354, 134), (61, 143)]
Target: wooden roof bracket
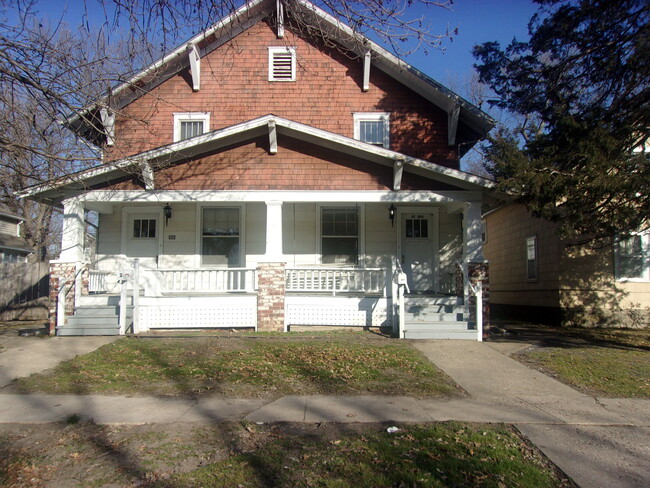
[(398, 171), (273, 137), (280, 18), (195, 66), (366, 71), (108, 121), (453, 114)]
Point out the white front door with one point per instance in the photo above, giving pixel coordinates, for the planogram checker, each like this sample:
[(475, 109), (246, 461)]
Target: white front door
[(143, 233), (418, 250)]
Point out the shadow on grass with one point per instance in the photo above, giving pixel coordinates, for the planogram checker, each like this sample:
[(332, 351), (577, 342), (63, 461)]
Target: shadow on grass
[(571, 337)]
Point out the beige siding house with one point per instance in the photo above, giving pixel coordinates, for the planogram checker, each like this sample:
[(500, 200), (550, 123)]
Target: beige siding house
[(535, 276)]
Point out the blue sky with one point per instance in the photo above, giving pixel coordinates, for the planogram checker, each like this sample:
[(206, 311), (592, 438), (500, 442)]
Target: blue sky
[(477, 20)]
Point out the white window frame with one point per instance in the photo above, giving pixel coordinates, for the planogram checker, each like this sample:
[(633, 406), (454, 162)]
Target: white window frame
[(372, 117), (190, 117), (645, 250), (534, 259), (273, 50), (199, 235), (361, 237)]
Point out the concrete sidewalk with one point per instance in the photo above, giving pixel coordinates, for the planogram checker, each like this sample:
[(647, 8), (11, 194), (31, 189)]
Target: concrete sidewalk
[(22, 356), (598, 442)]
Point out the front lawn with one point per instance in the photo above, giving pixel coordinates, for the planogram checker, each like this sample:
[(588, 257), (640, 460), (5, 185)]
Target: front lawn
[(182, 455), (603, 362), (244, 365)]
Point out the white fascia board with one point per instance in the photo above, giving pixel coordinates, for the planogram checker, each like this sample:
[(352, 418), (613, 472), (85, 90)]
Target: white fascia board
[(304, 196), (178, 54), (412, 77), (182, 148), (387, 154), (260, 126)]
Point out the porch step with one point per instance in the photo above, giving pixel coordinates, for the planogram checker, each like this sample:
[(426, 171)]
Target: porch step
[(102, 300), (441, 334), (98, 316), (436, 317)]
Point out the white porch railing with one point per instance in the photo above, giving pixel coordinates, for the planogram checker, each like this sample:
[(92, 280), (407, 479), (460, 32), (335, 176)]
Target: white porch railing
[(475, 289), (206, 280), (97, 281), (336, 280)]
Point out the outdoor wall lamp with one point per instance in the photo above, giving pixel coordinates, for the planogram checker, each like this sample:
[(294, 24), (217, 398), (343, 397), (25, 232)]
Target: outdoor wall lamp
[(391, 214), (168, 213)]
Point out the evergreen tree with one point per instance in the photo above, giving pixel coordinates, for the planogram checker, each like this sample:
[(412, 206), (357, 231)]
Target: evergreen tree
[(584, 78)]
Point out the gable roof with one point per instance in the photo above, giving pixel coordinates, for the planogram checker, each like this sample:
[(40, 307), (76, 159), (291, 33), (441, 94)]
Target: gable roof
[(253, 12), (170, 154)]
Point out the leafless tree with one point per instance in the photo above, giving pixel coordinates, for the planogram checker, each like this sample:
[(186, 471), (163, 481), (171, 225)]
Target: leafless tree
[(50, 70)]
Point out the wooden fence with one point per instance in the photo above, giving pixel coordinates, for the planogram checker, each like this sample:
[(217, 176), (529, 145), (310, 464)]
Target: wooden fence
[(24, 291)]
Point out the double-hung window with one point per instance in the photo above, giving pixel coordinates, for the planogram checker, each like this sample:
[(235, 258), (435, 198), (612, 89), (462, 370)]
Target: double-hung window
[(532, 271), (373, 128), (190, 124), (340, 235), (633, 257), (221, 236)]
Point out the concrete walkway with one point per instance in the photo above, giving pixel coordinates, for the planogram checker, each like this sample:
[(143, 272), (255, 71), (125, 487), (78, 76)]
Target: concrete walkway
[(598, 442)]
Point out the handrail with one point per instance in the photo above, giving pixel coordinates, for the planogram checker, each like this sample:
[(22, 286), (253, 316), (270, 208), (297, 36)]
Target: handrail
[(476, 289), (60, 300)]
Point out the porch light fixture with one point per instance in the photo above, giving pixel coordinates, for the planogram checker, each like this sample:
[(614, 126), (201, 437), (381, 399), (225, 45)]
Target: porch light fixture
[(391, 214), (167, 209)]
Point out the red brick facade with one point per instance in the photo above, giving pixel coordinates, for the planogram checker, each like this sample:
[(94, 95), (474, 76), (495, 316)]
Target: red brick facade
[(270, 296), (326, 93), (296, 166), (60, 273)]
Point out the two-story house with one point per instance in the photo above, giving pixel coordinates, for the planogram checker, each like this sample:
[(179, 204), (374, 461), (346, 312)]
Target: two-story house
[(262, 176), (13, 248)]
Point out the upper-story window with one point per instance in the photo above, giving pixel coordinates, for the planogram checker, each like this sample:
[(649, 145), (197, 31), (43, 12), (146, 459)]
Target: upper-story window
[(633, 258), (282, 64), (373, 128), (190, 124)]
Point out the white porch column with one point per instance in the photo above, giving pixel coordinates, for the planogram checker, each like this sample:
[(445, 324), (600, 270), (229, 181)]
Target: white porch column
[(472, 230), (72, 242), (273, 232), (476, 269)]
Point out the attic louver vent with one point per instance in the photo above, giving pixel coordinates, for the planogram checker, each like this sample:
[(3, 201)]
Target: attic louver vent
[(282, 64)]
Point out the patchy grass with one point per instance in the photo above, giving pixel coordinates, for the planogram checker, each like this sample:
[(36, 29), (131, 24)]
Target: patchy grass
[(282, 454), (604, 362), (249, 366)]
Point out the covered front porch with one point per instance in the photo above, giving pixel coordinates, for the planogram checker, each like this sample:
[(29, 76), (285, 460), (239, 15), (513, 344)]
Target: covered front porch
[(271, 260)]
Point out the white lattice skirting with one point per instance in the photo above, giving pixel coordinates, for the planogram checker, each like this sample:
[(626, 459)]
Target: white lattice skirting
[(199, 312), (339, 311)]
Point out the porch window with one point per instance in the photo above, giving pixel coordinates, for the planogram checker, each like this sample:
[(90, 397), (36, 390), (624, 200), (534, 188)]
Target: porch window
[(531, 258), (144, 228), (220, 237), (190, 124), (340, 235), (633, 257), (417, 228), (372, 128)]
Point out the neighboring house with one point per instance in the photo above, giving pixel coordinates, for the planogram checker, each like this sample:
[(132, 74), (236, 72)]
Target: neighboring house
[(535, 276), (13, 248), (267, 179)]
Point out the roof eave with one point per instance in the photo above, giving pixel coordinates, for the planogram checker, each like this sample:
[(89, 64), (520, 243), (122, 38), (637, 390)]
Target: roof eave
[(172, 153)]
